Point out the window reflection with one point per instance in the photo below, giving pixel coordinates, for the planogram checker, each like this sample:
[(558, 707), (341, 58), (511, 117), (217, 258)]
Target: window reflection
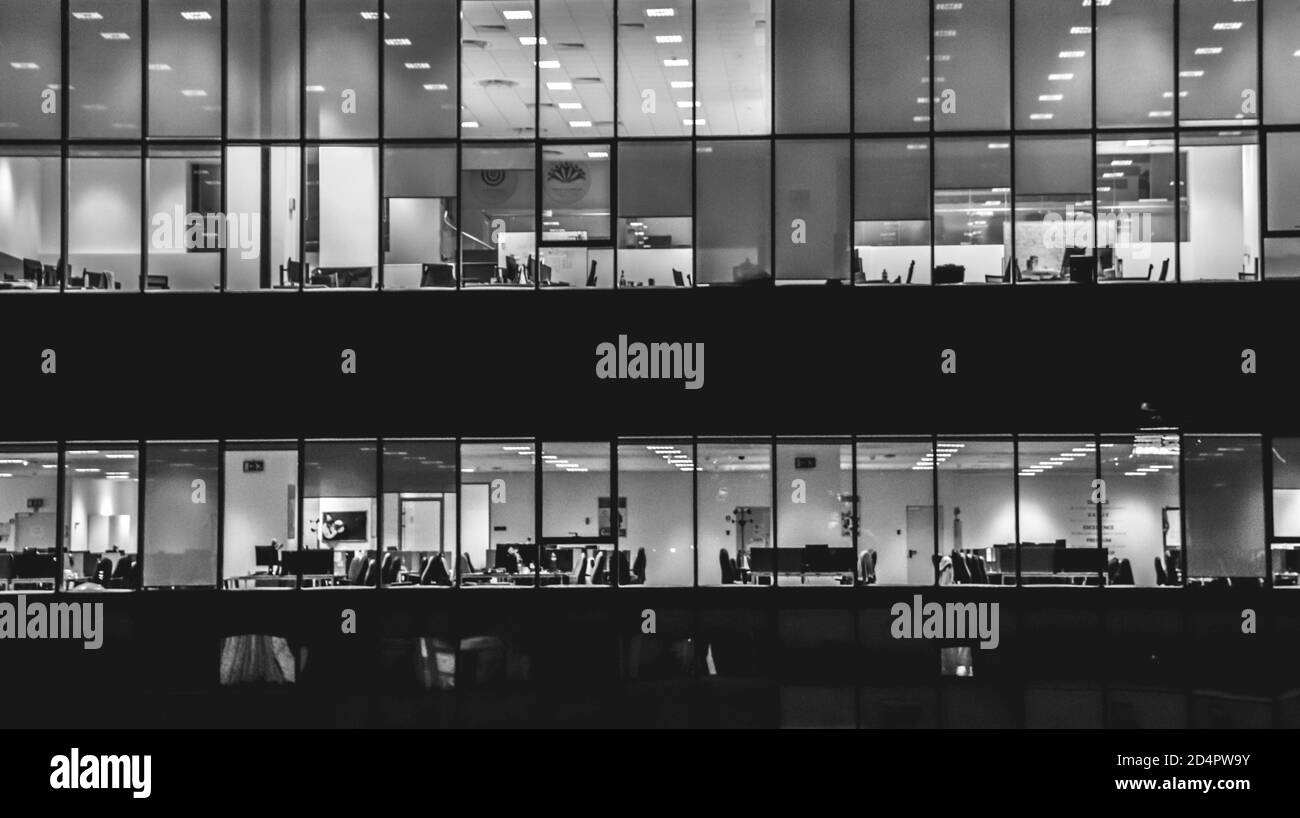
[(498, 79), (734, 513), (972, 193), (497, 515), (30, 65), (655, 215), (734, 73), (29, 480), (498, 228), (30, 232), (101, 514), (1135, 208)]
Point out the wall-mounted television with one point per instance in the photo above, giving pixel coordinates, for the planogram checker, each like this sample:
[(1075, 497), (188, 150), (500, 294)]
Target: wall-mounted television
[(344, 526)]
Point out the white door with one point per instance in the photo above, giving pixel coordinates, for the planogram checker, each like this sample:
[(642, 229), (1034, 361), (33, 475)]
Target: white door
[(421, 525)]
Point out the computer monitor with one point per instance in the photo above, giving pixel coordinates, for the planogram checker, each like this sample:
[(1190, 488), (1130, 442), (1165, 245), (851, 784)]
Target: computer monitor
[(761, 559), (1081, 560), (527, 555), (544, 274), (266, 556), (35, 565), (559, 559), (313, 562), (437, 275), (354, 276), (817, 558)]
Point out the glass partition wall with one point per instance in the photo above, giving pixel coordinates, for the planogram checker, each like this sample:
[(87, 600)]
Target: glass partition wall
[(354, 144)]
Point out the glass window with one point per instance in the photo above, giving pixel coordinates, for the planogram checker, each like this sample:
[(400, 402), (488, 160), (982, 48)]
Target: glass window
[(30, 235), (575, 55), (576, 210), (104, 219), (262, 81), (104, 69), (891, 214), (1135, 207), (812, 72), (1282, 258), (181, 494), (1286, 511), (497, 72), (497, 515), (972, 68), (498, 214), (1218, 62), (261, 516), (656, 477), (976, 510), (420, 521), (1054, 221), (101, 509), (655, 215), (1053, 64), (734, 73), (184, 68), (342, 81), (29, 487), (653, 94), (733, 194), (341, 222), (1140, 519), (734, 513), (1057, 514), (972, 196), (419, 217), (812, 207), (891, 66), (339, 513), (263, 189), (1283, 181), (420, 102), (1135, 64), (578, 519), (30, 58), (188, 228), (896, 515), (1220, 227), (814, 513), (1281, 59), (1224, 517)]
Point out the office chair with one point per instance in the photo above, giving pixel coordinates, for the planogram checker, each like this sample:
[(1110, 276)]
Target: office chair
[(355, 566), (392, 568), (122, 572), (960, 569), (466, 566), (679, 279), (6, 566), (371, 573), (291, 273), (437, 275), (32, 269), (435, 572), (591, 276), (512, 269), (638, 568), (949, 274), (1125, 572), (728, 568), (1164, 270), (910, 269), (1161, 577), (1151, 268), (867, 567), (582, 569), (978, 572)]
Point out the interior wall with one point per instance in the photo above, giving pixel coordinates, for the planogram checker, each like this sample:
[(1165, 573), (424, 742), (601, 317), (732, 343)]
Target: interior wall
[(180, 535), (349, 206), (14, 494), (89, 499), (720, 493), (257, 506)]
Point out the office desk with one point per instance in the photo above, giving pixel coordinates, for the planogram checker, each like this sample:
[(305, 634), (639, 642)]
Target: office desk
[(281, 581), (483, 579), (817, 577)]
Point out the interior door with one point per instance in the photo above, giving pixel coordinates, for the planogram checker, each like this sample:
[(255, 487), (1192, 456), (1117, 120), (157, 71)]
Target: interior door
[(920, 545), (421, 524)]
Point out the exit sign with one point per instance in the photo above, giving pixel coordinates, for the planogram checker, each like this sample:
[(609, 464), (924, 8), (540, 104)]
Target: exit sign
[(35, 503), (254, 465)]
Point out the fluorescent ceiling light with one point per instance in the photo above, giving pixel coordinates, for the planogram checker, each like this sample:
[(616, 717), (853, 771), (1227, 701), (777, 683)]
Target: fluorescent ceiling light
[(1227, 26), (115, 35), (1113, 175), (1160, 114), (549, 64), (580, 123), (559, 86), (1080, 29), (469, 124), (159, 66), (194, 92), (689, 84), (920, 119), (87, 471), (676, 63), (947, 6), (945, 32), (1051, 97), (397, 41), (597, 154), (196, 15), (660, 12), (1218, 49), (435, 86), (87, 15), (1072, 55), (686, 103), (518, 14), (998, 146), (25, 66), (692, 122), (533, 41), (314, 89), (570, 106), (668, 38), (374, 15), (1040, 116), (418, 66), (1120, 163), (1060, 77), (120, 456), (914, 146), (1191, 73)]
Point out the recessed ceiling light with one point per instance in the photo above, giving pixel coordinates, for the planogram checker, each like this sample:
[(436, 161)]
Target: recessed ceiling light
[(1227, 26), (518, 14), (1060, 77), (1051, 97), (1191, 73), (549, 64), (668, 38), (115, 35), (469, 124), (1216, 49), (418, 66), (696, 122), (676, 63), (396, 41), (532, 41), (559, 86), (194, 92), (374, 15), (689, 84), (1072, 55), (314, 89), (87, 15), (570, 106), (580, 123), (159, 66), (1040, 116), (1080, 29), (686, 103), (660, 12), (597, 154), (25, 66), (435, 86)]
